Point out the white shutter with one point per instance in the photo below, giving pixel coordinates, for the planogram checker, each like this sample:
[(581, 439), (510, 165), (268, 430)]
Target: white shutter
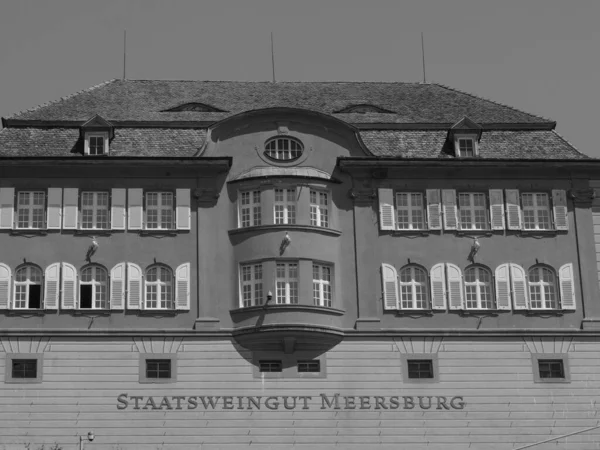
[(502, 287), (513, 209), (4, 286), (70, 208), (51, 279), (389, 279), (7, 207), (182, 289), (117, 286), (438, 286), (455, 287), (69, 287), (54, 210), (183, 213), (449, 205), (497, 209), (386, 209), (559, 205), (117, 209), (567, 286), (134, 286), (434, 211), (519, 287), (135, 202)]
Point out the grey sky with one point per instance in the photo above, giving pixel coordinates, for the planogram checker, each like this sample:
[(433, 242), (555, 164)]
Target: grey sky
[(540, 56)]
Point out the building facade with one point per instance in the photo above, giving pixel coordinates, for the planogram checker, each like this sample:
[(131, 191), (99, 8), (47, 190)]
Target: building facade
[(221, 265)]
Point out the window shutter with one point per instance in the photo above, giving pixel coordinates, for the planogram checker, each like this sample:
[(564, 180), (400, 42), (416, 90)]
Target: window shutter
[(70, 208), (559, 205), (389, 278), (502, 287), (513, 209), (54, 210), (135, 199), (497, 209), (69, 287), (4, 286), (182, 290), (117, 209), (438, 287), (434, 211), (519, 287), (51, 279), (386, 209), (134, 286), (117, 287), (449, 205), (567, 286), (455, 290), (183, 215), (7, 207)]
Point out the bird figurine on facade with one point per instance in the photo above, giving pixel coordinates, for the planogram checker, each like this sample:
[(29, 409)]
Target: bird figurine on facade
[(284, 244), (91, 249), (474, 249)]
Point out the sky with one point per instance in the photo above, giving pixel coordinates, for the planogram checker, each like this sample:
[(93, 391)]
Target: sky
[(539, 56)]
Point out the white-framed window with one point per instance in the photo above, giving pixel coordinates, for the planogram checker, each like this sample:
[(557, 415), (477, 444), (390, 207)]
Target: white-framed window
[(250, 209), (466, 147), (413, 288), (287, 283), (319, 208), (159, 287), (322, 285), (543, 292), (283, 148), (251, 279), (159, 211), (93, 287), (478, 288), (28, 288), (31, 208), (96, 144), (410, 211), (285, 206), (536, 211), (94, 210), (473, 211)]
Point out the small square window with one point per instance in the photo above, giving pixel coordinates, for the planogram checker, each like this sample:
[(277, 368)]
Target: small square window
[(420, 368), (23, 368), (311, 366), (550, 368), (270, 365), (158, 368), (96, 144), (465, 146)]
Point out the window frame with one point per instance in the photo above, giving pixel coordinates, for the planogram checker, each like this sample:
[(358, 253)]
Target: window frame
[(465, 137), (536, 209), (96, 134), (160, 208), (536, 358), (94, 210), (281, 138), (413, 288), (289, 364), (320, 211), (289, 209), (543, 285), (288, 282), (94, 283), (321, 283), (478, 284), (30, 208), (472, 209), (410, 209), (27, 283), (160, 288), (254, 208), (433, 357), (10, 357), (253, 283), (144, 357)]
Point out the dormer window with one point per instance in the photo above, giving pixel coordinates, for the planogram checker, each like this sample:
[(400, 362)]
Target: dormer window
[(96, 134), (466, 135), (96, 144), (466, 147), (283, 148)]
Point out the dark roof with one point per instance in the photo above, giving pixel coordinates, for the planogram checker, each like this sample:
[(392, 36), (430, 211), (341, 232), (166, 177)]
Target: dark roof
[(141, 100)]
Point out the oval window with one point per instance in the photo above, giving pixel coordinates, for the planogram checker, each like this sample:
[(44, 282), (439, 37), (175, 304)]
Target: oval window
[(283, 148)]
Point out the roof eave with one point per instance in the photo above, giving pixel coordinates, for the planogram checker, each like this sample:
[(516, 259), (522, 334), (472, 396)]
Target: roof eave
[(221, 164)]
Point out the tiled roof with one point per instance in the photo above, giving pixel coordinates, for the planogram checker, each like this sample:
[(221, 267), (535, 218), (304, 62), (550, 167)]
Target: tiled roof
[(140, 100)]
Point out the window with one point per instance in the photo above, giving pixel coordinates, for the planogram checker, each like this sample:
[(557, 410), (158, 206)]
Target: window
[(473, 211), (250, 209), (252, 284), (413, 288), (159, 211), (536, 211), (466, 147), (93, 292), (319, 209), (478, 288), (270, 365), (311, 366), (158, 368), (297, 364), (322, 285), (159, 288), (31, 210), (420, 368), (410, 211), (94, 210), (542, 288), (285, 206), (283, 148), (28, 288), (96, 144), (550, 367), (287, 283), (23, 367)]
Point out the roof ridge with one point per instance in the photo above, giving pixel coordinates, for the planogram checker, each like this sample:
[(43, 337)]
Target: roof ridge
[(61, 99), (480, 97), (566, 141)]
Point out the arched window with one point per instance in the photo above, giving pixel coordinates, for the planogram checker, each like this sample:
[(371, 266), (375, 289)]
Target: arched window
[(159, 287), (413, 288), (542, 288), (93, 291), (283, 148), (28, 288), (478, 288)]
